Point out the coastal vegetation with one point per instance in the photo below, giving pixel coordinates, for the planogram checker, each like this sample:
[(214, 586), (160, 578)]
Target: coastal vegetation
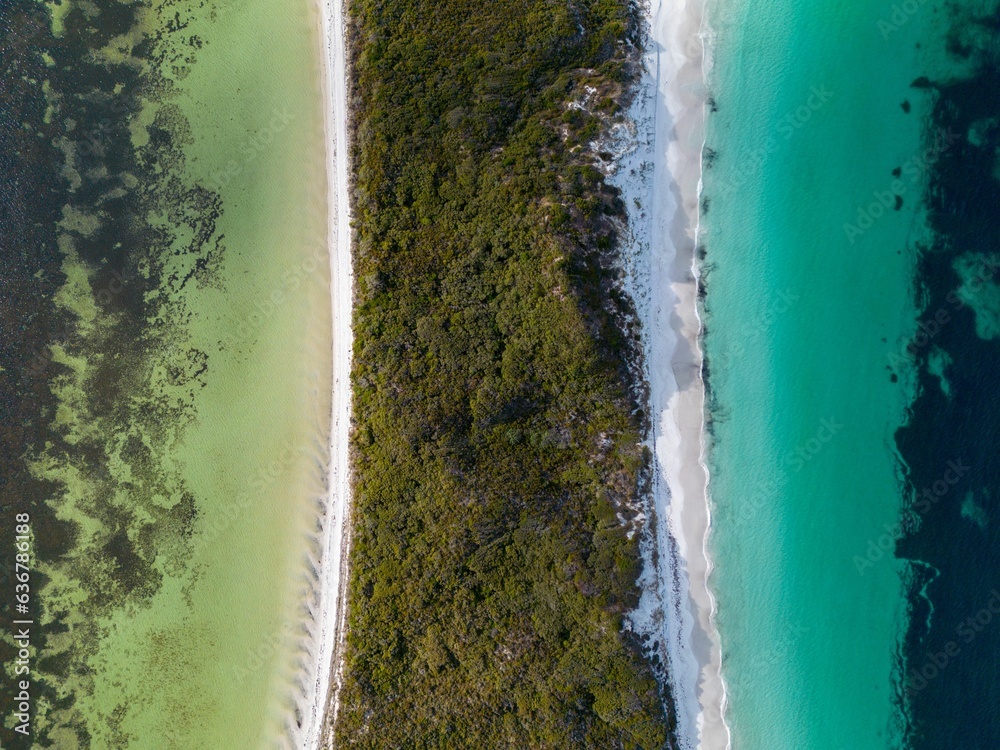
[(497, 442)]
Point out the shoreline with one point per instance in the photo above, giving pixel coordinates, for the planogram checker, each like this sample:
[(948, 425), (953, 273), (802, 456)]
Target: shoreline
[(336, 532), (661, 181)]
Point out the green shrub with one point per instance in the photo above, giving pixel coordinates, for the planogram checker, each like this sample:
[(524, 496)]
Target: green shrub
[(496, 447)]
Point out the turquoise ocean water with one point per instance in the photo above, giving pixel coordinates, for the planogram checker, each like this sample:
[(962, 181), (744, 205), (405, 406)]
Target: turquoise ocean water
[(818, 160)]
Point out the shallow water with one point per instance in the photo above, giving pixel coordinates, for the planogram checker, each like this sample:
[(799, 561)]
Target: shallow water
[(810, 259), (177, 462)]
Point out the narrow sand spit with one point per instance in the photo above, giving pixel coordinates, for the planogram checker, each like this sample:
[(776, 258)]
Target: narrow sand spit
[(660, 178), (321, 703), (659, 174)]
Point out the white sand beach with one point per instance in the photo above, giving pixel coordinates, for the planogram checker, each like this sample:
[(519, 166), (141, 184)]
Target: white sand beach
[(331, 618), (660, 178)]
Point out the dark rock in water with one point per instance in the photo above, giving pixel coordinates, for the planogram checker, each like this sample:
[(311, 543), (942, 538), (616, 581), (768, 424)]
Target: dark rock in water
[(906, 106), (897, 172), (899, 202), (923, 82)]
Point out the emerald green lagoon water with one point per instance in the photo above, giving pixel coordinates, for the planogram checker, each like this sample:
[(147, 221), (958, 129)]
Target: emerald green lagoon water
[(810, 260), (184, 467)]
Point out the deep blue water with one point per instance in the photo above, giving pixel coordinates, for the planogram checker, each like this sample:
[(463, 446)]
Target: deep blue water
[(950, 446)]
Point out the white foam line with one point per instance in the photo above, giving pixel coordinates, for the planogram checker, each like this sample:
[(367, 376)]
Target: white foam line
[(321, 699)]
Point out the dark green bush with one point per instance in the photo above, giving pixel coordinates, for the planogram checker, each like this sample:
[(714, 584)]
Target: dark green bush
[(496, 447)]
